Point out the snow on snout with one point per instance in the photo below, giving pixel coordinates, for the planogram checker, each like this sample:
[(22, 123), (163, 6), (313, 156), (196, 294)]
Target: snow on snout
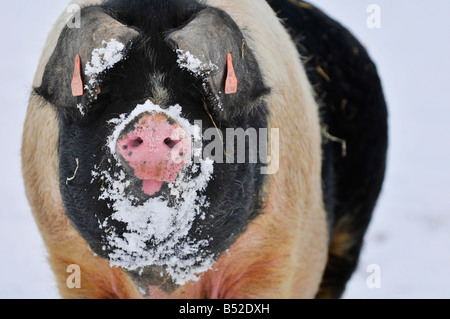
[(157, 233)]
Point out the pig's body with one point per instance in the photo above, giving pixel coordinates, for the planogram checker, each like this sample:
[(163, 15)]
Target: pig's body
[(254, 235)]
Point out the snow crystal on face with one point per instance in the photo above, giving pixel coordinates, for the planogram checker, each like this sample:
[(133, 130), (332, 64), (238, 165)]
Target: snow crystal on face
[(102, 60), (219, 103), (165, 226), (81, 109), (187, 60)]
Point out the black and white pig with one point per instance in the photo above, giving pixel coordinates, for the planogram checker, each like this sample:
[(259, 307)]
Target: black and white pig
[(203, 149)]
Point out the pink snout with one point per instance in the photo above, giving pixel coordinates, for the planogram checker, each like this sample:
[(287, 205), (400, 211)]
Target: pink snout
[(157, 149)]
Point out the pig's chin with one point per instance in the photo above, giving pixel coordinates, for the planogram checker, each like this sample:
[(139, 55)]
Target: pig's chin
[(157, 231)]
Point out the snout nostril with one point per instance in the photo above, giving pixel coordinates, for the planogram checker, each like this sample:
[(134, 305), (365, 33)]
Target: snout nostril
[(171, 143), (136, 142)]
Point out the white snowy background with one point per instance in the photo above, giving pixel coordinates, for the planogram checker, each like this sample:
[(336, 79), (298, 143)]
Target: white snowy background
[(409, 236)]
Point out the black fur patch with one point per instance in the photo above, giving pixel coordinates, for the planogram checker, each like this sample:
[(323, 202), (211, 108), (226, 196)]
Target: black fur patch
[(234, 193), (353, 109)]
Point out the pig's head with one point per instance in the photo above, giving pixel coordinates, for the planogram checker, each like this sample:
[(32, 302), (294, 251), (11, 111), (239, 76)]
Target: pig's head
[(133, 178)]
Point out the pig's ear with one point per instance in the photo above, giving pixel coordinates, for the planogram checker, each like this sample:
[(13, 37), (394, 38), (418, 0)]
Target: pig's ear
[(204, 46), (99, 42)]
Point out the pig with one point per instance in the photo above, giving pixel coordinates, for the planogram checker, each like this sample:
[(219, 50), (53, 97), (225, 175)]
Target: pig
[(132, 168)]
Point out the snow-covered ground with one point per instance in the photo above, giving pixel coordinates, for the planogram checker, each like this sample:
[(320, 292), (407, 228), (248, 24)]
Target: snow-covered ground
[(409, 237)]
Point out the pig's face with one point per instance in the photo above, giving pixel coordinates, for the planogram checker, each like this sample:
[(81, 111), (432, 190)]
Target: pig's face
[(135, 178)]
